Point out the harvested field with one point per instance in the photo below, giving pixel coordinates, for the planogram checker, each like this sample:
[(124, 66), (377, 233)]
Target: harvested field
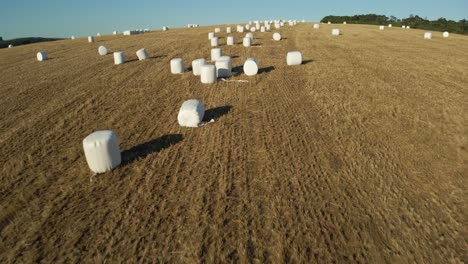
[(358, 155)]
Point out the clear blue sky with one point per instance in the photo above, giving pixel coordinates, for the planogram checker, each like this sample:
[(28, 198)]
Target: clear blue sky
[(63, 18)]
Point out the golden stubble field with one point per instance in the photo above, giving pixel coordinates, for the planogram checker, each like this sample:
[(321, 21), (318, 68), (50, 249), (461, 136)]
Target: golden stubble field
[(358, 155)]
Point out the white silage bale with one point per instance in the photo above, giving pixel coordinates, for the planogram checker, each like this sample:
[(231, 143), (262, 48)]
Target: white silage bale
[(390, 25), (316, 26), (381, 27), (223, 67), (229, 30), (196, 66), (72, 37), (277, 36), (98, 34), (142, 54), (446, 34), (249, 35), (42, 56), (335, 32), (329, 23), (165, 28), (10, 46), (247, 27), (230, 40), (208, 73), (102, 50), (246, 42), (403, 26), (217, 30), (214, 42), (268, 27), (119, 57), (344, 23), (211, 35), (257, 26), (216, 53), (408, 27), (191, 113), (428, 35), (262, 29), (294, 58), (114, 32), (177, 66), (252, 29), (90, 39), (241, 29), (102, 151), (250, 67)]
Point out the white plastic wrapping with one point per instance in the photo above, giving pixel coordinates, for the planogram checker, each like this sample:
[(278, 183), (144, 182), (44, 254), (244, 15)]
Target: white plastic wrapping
[(196, 66), (335, 32), (10, 46), (277, 36), (446, 34), (142, 54), (208, 73), (214, 42), (344, 23), (211, 35), (177, 66), (102, 50), (428, 35), (229, 30), (390, 25), (165, 28), (42, 56), (247, 42), (119, 57), (90, 39), (251, 67), (191, 113), (249, 35), (294, 58), (253, 29), (223, 67), (217, 30), (72, 37), (262, 29), (381, 27), (316, 26), (102, 151), (230, 40), (216, 53)]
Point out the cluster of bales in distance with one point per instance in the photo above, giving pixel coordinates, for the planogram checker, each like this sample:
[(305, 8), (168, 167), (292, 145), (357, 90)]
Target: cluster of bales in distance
[(101, 148)]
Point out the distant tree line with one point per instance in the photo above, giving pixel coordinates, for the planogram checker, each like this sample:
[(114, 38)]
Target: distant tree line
[(414, 21), (23, 41)]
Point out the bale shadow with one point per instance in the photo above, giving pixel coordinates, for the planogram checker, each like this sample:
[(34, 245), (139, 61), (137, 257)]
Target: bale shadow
[(266, 69), (256, 45), (217, 112), (307, 62), (147, 148), (238, 69), (234, 57)]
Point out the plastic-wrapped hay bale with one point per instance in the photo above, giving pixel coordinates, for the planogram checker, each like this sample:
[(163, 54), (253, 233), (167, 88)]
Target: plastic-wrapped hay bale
[(10, 46), (268, 27), (102, 50), (229, 30), (191, 113), (428, 35), (196, 66), (216, 53), (253, 29), (390, 25), (211, 35), (408, 27), (217, 30), (214, 42), (208, 73), (72, 37), (249, 35), (246, 42), (262, 29), (335, 32), (446, 34), (177, 66), (142, 54), (247, 27), (316, 26), (294, 58), (119, 57), (223, 67), (277, 36), (102, 151), (165, 28), (42, 56), (403, 26), (250, 67), (90, 39), (381, 27), (230, 40), (329, 23), (241, 29), (98, 34), (114, 32)]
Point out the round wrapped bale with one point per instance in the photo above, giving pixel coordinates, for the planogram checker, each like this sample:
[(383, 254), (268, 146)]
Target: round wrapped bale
[(381, 27), (446, 34), (246, 42), (241, 29), (165, 28), (102, 50), (196, 66), (294, 58), (249, 35), (262, 29), (223, 67), (10, 46), (253, 29), (102, 151), (230, 40), (98, 34), (250, 67), (42, 56), (217, 30), (336, 32), (214, 42), (329, 23), (177, 66), (428, 35), (390, 25), (72, 37), (408, 27), (316, 26), (208, 73), (229, 30), (90, 39), (216, 53), (277, 36), (119, 57), (344, 23), (403, 26), (211, 35), (191, 113), (142, 54)]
